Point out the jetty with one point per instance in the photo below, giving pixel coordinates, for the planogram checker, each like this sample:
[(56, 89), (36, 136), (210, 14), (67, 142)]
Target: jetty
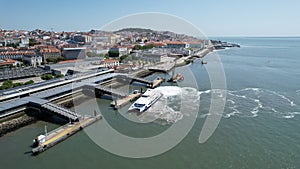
[(118, 103), (60, 134)]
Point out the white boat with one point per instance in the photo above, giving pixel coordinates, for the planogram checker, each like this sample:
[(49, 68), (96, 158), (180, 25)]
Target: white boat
[(146, 100)]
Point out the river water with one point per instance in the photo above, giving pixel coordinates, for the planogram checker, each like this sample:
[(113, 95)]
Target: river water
[(259, 127)]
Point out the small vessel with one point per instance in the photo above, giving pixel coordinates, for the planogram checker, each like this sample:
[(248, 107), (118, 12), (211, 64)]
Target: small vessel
[(40, 139), (203, 62), (146, 100), (177, 78)]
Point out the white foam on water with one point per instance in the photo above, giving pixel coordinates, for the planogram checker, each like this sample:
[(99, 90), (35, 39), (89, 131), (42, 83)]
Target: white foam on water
[(167, 109), (250, 102), (284, 98), (288, 116), (168, 91), (204, 92), (231, 101)]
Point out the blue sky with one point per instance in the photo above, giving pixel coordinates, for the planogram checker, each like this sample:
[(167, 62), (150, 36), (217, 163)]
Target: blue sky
[(213, 17)]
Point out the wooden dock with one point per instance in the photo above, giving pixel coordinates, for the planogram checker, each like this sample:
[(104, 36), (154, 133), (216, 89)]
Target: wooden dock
[(122, 102), (62, 133)]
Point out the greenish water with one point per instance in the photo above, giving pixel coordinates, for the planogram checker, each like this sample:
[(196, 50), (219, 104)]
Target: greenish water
[(259, 127)]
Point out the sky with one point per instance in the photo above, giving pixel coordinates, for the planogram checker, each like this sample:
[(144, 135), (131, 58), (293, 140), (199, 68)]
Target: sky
[(212, 17)]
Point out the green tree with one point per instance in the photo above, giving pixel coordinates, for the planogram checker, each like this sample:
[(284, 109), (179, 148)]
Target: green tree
[(137, 47), (59, 75), (29, 82), (46, 77), (123, 57)]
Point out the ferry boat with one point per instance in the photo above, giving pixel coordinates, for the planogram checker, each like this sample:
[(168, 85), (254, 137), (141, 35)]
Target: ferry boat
[(146, 100)]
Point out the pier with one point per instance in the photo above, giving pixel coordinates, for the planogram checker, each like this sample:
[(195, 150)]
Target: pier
[(157, 82), (54, 137), (165, 67), (122, 102)]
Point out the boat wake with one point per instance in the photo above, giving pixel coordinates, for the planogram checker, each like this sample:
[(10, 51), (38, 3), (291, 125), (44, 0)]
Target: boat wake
[(250, 102), (167, 109), (247, 102)]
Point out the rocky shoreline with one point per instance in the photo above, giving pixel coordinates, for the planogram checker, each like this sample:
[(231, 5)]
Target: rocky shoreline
[(16, 123)]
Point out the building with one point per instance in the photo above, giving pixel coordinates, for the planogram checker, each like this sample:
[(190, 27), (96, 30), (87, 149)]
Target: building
[(16, 54), (33, 60), (177, 44), (24, 42), (49, 52), (9, 62), (150, 56), (74, 53), (197, 45), (121, 50), (110, 63), (82, 38)]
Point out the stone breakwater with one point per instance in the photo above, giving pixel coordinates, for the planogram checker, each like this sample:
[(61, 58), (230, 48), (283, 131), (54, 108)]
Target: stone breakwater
[(15, 123)]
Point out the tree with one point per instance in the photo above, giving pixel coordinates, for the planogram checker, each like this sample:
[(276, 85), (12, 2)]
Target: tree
[(123, 57), (59, 75), (137, 47), (29, 82), (46, 77)]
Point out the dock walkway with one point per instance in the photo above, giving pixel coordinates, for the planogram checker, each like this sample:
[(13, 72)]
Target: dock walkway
[(61, 111)]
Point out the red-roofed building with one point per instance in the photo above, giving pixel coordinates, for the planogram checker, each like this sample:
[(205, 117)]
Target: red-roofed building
[(49, 52), (8, 62), (16, 54), (159, 44)]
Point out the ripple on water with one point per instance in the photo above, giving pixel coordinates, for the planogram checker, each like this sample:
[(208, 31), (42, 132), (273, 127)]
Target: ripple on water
[(250, 102)]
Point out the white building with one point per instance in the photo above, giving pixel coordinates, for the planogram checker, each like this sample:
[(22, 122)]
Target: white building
[(33, 60), (150, 56), (110, 62)]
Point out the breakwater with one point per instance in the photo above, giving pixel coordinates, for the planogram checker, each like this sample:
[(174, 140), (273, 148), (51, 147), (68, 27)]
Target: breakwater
[(15, 123)]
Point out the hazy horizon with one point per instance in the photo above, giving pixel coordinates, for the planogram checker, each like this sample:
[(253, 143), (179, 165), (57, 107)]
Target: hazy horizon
[(213, 18)]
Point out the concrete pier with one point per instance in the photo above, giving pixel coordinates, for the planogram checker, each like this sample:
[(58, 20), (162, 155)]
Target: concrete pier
[(157, 82), (122, 102), (62, 133)]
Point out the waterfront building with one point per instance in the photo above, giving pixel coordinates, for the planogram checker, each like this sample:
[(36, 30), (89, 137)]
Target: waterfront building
[(196, 45), (150, 56)]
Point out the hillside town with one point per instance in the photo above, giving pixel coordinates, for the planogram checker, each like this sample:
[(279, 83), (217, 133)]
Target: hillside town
[(34, 53)]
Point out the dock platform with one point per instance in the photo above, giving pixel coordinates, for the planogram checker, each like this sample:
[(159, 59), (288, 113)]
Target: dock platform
[(157, 82), (122, 102), (62, 133)]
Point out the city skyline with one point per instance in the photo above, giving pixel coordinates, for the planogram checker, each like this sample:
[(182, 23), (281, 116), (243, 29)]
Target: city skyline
[(234, 18)]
